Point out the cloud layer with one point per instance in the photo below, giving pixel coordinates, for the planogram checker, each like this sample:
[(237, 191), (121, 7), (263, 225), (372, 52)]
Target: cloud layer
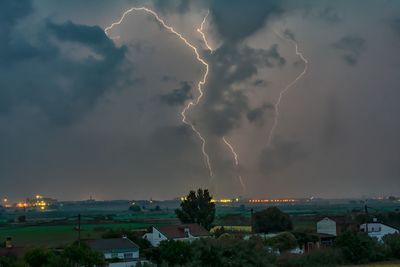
[(81, 114)]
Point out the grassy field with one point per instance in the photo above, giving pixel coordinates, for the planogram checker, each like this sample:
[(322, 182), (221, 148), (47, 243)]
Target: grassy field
[(53, 236)]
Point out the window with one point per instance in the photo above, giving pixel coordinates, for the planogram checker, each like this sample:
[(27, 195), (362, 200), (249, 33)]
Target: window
[(128, 255), (114, 255)]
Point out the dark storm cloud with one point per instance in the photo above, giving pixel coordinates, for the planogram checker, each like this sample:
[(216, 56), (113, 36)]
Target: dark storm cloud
[(328, 14), (180, 6), (118, 141), (234, 64), (42, 76), (11, 11), (178, 96), (280, 156), (11, 48), (257, 114), (289, 34), (238, 19), (332, 128), (396, 25), (352, 47), (260, 83)]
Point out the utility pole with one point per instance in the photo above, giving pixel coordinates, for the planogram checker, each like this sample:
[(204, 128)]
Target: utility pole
[(79, 229), (366, 218), (251, 220)]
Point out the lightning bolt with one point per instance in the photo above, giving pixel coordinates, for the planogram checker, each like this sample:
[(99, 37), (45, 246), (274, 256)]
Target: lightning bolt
[(290, 85), (236, 161), (200, 83), (230, 146), (200, 30), (235, 156)]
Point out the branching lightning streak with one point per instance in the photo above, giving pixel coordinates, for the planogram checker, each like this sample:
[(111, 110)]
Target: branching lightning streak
[(200, 30), (235, 156), (200, 83), (236, 160), (232, 149), (283, 92)]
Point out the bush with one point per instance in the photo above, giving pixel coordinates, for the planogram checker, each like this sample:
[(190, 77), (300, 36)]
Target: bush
[(37, 257), (358, 247), (282, 242), (271, 220), (392, 243), (317, 258), (175, 252), (230, 252)]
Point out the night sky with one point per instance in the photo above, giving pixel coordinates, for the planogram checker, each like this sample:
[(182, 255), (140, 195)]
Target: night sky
[(83, 115)]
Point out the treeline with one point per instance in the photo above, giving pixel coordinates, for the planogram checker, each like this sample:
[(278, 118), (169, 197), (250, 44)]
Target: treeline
[(232, 251)]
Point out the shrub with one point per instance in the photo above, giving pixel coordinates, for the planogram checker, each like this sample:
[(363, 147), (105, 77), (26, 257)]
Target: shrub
[(358, 247), (282, 242), (392, 242), (271, 220), (317, 258)]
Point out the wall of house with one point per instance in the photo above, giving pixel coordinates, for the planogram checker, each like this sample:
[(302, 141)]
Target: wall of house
[(155, 237), (326, 226), (378, 230)]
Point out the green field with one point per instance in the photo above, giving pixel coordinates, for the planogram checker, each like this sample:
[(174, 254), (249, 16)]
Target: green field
[(53, 236)]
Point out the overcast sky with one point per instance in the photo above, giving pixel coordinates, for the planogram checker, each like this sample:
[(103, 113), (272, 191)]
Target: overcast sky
[(85, 115)]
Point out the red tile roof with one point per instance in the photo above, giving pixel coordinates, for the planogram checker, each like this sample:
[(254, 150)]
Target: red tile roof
[(178, 231), (17, 252)]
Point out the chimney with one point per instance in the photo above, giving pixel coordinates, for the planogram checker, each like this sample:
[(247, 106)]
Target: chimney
[(187, 231), (375, 220), (9, 242)]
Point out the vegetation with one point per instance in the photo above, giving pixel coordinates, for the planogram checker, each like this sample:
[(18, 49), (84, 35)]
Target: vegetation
[(197, 208), (72, 255), (392, 242), (271, 220), (358, 247), (282, 242)]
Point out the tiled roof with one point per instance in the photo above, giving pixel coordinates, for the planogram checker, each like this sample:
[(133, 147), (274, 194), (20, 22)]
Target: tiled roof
[(113, 244), (178, 231), (13, 252)]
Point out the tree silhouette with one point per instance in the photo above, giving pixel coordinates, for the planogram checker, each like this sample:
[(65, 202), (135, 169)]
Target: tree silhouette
[(197, 208)]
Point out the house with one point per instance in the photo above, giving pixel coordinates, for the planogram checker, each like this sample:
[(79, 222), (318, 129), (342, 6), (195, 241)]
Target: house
[(183, 232), (327, 230), (120, 252), (378, 230), (327, 226)]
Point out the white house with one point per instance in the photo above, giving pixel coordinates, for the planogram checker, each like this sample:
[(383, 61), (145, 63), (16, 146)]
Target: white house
[(122, 251), (378, 230), (183, 232), (327, 226)]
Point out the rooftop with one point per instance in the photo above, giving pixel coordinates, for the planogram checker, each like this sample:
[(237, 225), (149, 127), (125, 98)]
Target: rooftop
[(178, 231), (112, 244)]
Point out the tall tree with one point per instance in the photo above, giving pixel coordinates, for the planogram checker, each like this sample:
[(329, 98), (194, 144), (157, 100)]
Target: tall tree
[(271, 220), (197, 208)]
